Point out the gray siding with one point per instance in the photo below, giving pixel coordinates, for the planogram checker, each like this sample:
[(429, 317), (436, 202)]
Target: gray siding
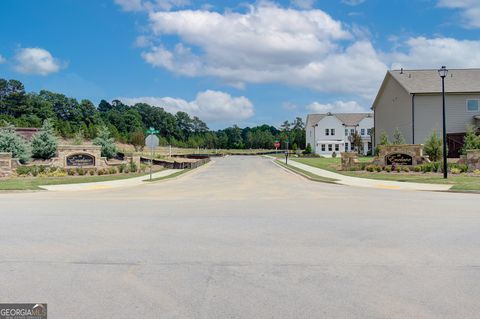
[(393, 110), (428, 114)]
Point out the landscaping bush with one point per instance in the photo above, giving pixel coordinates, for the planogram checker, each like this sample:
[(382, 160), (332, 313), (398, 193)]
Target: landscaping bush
[(112, 170), (91, 172), (417, 169), (44, 143), (23, 170), (334, 155), (378, 169), (103, 139), (463, 168), (398, 169), (471, 141), (101, 172), (433, 147), (455, 170), (133, 166), (11, 142), (80, 171), (71, 172), (308, 149), (405, 169), (388, 169), (476, 172), (370, 168), (122, 167), (143, 167)]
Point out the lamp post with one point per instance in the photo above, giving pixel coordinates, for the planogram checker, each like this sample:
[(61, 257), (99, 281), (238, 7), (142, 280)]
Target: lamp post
[(443, 73)]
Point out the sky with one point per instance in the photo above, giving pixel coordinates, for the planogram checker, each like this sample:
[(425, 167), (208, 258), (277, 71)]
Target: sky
[(232, 62)]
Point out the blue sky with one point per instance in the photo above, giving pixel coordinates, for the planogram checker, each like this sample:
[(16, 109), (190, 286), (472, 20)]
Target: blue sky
[(243, 62)]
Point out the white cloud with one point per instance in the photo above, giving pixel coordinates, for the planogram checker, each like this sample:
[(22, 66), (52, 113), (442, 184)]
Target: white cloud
[(433, 53), (145, 5), (2, 59), (470, 10), (273, 44), (36, 61), (211, 106), (304, 4), (336, 107)]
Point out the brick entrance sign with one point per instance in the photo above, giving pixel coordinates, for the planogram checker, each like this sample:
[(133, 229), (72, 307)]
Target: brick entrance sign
[(406, 154)]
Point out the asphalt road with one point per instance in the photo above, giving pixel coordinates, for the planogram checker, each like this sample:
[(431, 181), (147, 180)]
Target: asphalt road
[(242, 238)]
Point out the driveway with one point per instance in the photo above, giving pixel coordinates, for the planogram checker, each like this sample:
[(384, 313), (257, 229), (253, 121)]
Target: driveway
[(242, 238)]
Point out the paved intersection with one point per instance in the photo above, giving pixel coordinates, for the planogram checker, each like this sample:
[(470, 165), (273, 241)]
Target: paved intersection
[(242, 238)]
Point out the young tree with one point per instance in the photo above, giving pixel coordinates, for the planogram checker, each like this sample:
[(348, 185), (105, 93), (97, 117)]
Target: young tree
[(357, 141), (11, 142), (471, 141), (78, 138), (138, 140), (384, 139), (44, 143), (398, 138), (103, 139), (308, 149), (433, 147)]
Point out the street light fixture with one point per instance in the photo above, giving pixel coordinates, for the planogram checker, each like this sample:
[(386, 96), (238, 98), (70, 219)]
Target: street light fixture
[(443, 73)]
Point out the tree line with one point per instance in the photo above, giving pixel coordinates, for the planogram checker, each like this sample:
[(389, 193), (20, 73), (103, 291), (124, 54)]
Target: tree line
[(127, 123)]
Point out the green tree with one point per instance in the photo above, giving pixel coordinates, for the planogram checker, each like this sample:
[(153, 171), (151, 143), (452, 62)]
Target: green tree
[(104, 139), (137, 139), (11, 142), (398, 138), (384, 139), (308, 149), (471, 141), (78, 138), (433, 147), (357, 142), (44, 143)]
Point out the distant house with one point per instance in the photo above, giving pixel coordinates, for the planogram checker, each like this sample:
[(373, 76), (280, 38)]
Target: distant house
[(329, 133), (411, 101)]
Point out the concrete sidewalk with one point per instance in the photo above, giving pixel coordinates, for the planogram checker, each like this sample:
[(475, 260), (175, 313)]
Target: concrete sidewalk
[(129, 182), (365, 182)]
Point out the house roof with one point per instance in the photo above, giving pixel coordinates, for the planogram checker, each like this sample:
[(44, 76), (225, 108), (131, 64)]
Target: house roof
[(348, 119), (428, 81)]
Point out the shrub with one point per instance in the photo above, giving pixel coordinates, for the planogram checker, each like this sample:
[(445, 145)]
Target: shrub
[(334, 155), (308, 149), (101, 172), (122, 167), (112, 170), (44, 143), (11, 142), (398, 169), (143, 168), (133, 166), (476, 172), (455, 170), (103, 139), (471, 141), (388, 169), (405, 169), (378, 169), (23, 170), (434, 147), (418, 168), (370, 168), (71, 172), (398, 138), (78, 138), (463, 168), (91, 172), (80, 171)]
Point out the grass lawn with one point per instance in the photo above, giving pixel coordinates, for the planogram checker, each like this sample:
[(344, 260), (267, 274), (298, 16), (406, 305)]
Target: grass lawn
[(33, 183), (460, 182), (309, 175), (169, 176)]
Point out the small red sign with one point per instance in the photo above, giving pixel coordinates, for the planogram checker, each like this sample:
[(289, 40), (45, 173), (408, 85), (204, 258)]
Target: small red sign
[(277, 145)]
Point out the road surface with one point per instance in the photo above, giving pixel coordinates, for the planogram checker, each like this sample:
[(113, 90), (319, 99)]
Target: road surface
[(242, 238)]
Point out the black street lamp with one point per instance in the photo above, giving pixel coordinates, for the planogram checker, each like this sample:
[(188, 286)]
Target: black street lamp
[(443, 73)]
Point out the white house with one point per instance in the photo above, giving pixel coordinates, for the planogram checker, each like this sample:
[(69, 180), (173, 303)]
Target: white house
[(411, 101), (329, 133)]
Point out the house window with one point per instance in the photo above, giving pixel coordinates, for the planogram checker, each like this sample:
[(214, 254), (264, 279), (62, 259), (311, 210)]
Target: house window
[(472, 105), (352, 147), (323, 147), (327, 131), (363, 131), (330, 148), (332, 131), (346, 132), (337, 147), (346, 147), (369, 131), (352, 131)]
